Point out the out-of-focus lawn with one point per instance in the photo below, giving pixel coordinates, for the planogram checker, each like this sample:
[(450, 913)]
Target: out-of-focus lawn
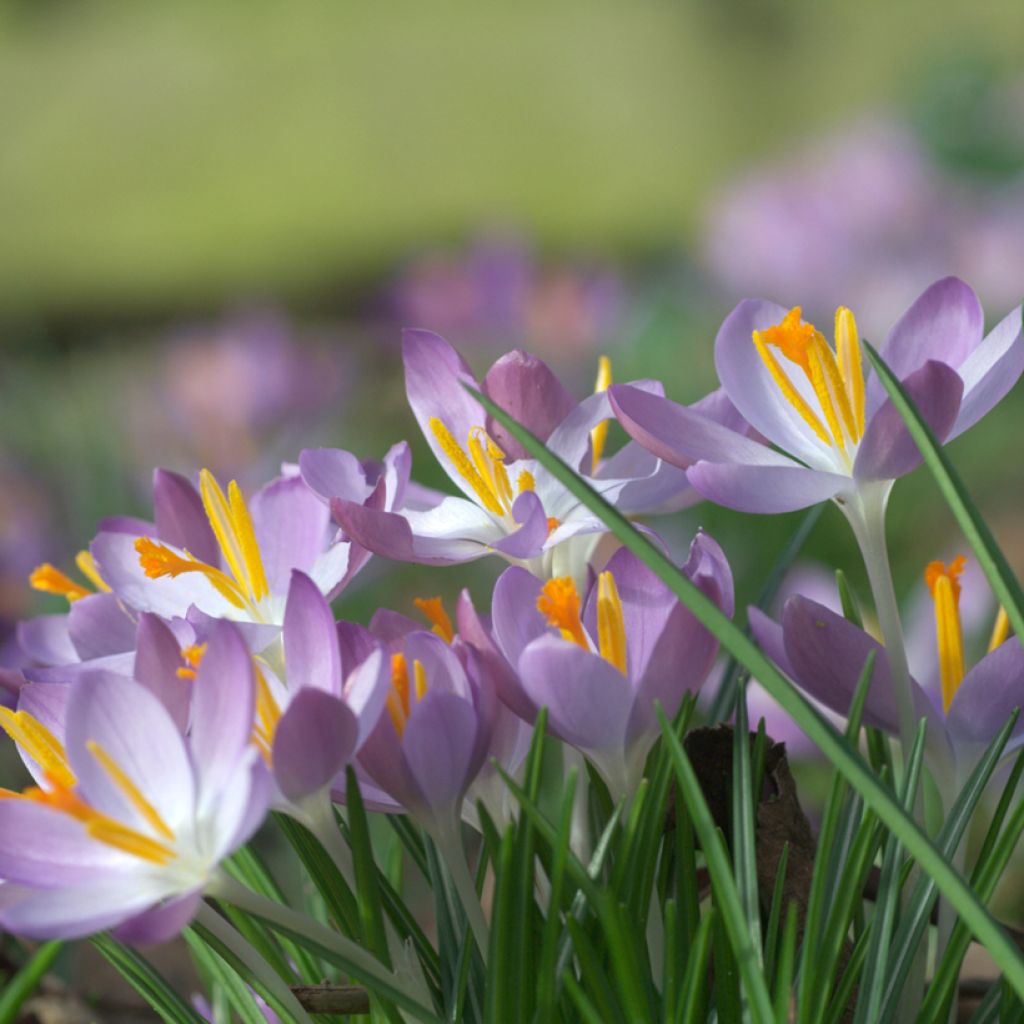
[(154, 156)]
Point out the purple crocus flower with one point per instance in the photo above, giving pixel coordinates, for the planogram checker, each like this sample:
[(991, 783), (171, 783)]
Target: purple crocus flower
[(599, 665), (510, 506), (825, 654), (829, 432), (130, 819)]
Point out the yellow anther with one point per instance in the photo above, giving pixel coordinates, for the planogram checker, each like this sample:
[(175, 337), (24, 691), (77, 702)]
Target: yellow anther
[(134, 795), (419, 675), (113, 833), (433, 611), (158, 560), (39, 743), (525, 481), (611, 630), (944, 583), (834, 400), (599, 435), (848, 351), (398, 698), (1000, 631), (193, 658), (559, 603), (465, 467), (268, 712), (50, 580), (87, 567), (232, 526)]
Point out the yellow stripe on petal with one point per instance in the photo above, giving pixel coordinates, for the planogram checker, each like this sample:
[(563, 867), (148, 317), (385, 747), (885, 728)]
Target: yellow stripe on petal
[(113, 833)]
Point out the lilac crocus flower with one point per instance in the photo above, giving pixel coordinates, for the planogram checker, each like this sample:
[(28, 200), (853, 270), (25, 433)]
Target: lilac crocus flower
[(828, 431), (600, 664), (130, 819), (510, 505), (825, 654)]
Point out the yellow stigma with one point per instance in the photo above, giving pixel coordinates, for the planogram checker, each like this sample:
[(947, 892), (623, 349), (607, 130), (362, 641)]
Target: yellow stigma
[(398, 702), (39, 743), (433, 611), (50, 580), (559, 603), (944, 583), (837, 379), (599, 435), (192, 656), (1000, 631), (158, 560), (611, 630)]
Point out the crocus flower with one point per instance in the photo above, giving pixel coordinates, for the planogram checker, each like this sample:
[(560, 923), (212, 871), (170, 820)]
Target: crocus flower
[(129, 819), (829, 431), (216, 555), (599, 664), (510, 506), (825, 654)]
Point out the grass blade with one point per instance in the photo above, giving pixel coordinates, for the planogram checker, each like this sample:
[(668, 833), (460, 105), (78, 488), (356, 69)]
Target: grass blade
[(23, 984)]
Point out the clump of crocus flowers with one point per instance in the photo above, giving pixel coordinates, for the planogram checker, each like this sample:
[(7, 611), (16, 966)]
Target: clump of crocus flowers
[(199, 678)]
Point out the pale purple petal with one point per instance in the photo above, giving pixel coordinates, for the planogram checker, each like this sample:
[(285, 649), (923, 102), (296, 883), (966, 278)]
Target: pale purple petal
[(222, 708), (45, 640), (990, 371), (529, 540), (357, 643), (314, 740), (887, 450), (765, 488), (988, 694), (770, 638), (366, 692), (515, 617), (312, 656), (242, 804), (333, 473), (99, 626), (162, 923), (136, 731), (180, 517), (530, 393), (292, 528), (157, 660), (589, 701), (709, 569), (750, 385)]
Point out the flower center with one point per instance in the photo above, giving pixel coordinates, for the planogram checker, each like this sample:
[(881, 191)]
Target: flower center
[(837, 379), (232, 525), (944, 583), (398, 703), (51, 580), (559, 603)]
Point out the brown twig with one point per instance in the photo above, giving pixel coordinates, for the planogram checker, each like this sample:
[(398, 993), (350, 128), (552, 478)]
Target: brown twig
[(332, 998)]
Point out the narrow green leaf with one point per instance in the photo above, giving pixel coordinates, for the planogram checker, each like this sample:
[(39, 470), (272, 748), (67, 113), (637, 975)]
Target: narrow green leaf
[(147, 981), (728, 999), (235, 991), (588, 1012), (783, 988), (839, 752), (19, 988), (691, 1002), (990, 557), (744, 837), (848, 600), (774, 923)]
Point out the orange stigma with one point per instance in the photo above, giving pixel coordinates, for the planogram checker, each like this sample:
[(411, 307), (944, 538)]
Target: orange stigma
[(559, 603), (433, 611)]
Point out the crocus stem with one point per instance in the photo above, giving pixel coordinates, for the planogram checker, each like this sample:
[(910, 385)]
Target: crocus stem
[(866, 514), (260, 969), (355, 960), (449, 845), (324, 826)]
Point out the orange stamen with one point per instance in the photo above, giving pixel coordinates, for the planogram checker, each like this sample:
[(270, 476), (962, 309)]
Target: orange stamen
[(559, 603)]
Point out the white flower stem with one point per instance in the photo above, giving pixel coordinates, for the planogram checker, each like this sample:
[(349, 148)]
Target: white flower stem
[(449, 845), (260, 969), (360, 963), (866, 514)]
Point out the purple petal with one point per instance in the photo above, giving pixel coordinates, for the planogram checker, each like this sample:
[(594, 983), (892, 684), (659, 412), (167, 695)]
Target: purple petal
[(589, 701), (136, 731), (222, 708), (770, 638), (45, 640), (314, 740), (990, 371), (242, 805), (366, 692), (357, 643), (99, 626), (333, 473), (530, 393), (765, 488), (160, 924), (750, 385), (988, 694), (528, 541), (292, 528), (180, 517), (945, 324), (682, 436), (827, 654), (516, 620), (887, 450), (157, 660), (709, 569), (312, 656)]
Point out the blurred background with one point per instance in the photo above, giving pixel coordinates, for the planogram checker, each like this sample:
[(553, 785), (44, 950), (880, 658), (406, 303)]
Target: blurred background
[(216, 218)]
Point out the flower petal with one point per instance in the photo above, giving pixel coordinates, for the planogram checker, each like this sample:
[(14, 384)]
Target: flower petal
[(312, 656), (46, 640), (98, 625), (334, 473), (157, 660), (887, 450), (529, 540), (180, 517), (366, 691), (161, 923), (765, 488), (987, 696)]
